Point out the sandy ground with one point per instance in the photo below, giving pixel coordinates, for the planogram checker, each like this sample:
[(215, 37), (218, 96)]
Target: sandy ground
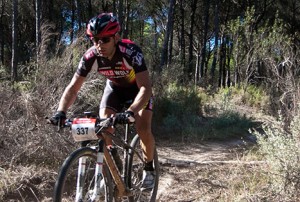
[(185, 169)]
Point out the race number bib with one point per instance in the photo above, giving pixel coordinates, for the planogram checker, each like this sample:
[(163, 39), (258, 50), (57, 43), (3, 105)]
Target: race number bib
[(84, 129)]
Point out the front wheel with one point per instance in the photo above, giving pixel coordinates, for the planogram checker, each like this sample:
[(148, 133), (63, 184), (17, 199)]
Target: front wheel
[(135, 173), (67, 187)]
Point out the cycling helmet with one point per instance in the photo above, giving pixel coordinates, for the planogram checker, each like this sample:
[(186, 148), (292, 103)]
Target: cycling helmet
[(102, 25)]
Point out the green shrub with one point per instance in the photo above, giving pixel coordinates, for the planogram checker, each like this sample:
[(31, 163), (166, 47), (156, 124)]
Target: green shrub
[(230, 124), (177, 110), (281, 151), (249, 95)]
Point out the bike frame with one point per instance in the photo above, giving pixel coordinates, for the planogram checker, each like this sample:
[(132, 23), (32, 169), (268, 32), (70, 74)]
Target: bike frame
[(103, 153)]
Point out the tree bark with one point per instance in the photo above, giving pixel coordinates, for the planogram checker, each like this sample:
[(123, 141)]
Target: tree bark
[(79, 16), (216, 43), (204, 40), (37, 29), (121, 15), (14, 60), (2, 35), (71, 31), (126, 20), (182, 30), (188, 72), (164, 54)]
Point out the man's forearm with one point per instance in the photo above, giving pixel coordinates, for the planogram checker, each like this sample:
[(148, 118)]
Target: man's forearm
[(67, 99)]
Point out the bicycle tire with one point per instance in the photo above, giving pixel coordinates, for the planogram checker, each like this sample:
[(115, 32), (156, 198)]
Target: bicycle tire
[(65, 186), (135, 173)]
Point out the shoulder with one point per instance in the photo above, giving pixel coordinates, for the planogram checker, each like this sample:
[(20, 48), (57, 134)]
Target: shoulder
[(128, 47), (131, 52), (90, 54)]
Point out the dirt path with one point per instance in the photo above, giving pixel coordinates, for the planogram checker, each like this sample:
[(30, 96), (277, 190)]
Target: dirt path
[(190, 172)]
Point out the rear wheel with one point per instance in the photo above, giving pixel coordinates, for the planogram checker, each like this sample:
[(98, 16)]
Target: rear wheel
[(65, 186), (135, 173)]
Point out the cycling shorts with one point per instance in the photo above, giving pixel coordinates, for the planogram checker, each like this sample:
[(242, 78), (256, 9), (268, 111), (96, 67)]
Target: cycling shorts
[(116, 98)]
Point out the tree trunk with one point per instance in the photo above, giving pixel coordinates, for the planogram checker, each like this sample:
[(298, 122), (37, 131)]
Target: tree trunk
[(142, 26), (182, 28), (126, 20), (197, 69), (170, 48), (2, 35), (90, 9), (204, 40), (71, 31), (164, 54), (79, 17), (121, 15), (216, 44), (188, 72), (14, 60), (37, 29), (228, 55), (222, 63)]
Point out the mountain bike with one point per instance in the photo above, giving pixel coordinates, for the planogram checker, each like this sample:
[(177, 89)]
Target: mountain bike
[(96, 172)]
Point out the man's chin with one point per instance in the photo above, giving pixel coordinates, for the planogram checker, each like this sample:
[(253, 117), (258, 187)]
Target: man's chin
[(103, 54)]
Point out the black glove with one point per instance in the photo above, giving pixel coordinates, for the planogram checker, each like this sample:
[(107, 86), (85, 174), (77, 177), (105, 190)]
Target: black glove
[(58, 118), (125, 117)]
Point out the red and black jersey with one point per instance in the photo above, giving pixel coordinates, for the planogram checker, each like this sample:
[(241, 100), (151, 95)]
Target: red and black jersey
[(121, 69)]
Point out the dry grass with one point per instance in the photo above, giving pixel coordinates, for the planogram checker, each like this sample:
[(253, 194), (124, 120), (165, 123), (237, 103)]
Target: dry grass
[(235, 177)]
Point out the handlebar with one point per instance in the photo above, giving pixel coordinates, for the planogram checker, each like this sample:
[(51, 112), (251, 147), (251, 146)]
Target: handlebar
[(102, 122)]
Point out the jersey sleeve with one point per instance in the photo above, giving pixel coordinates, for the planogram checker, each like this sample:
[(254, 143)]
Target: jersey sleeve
[(86, 63), (138, 60), (133, 55)]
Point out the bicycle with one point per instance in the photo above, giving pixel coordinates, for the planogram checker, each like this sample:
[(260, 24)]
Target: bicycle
[(94, 168)]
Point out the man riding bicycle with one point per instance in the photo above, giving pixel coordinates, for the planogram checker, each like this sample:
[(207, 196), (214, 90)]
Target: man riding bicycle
[(123, 64)]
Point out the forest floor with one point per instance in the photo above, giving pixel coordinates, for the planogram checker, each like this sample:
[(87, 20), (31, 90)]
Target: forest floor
[(202, 171), (189, 172)]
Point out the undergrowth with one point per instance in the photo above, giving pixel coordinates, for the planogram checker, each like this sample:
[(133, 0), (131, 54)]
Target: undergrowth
[(182, 113), (281, 152)]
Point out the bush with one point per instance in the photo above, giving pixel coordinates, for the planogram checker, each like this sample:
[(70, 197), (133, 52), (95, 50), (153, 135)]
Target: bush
[(177, 110), (281, 151), (249, 95), (230, 124)]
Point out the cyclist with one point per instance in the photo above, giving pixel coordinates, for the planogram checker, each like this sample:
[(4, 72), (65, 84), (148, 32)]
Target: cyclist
[(123, 64)]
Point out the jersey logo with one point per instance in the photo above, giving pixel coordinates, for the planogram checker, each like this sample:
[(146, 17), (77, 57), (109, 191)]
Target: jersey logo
[(138, 59), (89, 55)]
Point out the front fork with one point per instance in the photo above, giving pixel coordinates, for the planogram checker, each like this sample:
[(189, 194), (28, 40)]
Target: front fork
[(93, 195)]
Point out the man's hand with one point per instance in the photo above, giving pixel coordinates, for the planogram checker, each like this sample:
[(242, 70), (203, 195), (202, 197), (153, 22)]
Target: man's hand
[(125, 117), (58, 118)]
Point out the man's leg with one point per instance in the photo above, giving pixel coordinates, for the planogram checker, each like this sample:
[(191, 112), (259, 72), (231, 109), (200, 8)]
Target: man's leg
[(143, 127)]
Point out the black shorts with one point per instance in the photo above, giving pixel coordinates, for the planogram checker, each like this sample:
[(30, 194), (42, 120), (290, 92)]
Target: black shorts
[(116, 98)]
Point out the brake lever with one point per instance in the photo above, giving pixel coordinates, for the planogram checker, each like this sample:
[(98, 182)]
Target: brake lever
[(108, 122)]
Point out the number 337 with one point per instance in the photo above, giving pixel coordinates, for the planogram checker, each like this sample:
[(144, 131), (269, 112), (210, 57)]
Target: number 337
[(82, 131)]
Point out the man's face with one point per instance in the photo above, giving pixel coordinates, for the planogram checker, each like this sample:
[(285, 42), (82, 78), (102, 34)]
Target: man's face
[(106, 46)]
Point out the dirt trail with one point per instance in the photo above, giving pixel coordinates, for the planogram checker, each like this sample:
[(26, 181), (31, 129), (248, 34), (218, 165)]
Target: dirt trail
[(187, 170)]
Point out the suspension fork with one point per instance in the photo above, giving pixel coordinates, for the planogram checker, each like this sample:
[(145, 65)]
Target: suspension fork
[(80, 174)]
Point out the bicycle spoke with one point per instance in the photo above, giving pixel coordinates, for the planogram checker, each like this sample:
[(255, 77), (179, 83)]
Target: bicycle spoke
[(67, 189)]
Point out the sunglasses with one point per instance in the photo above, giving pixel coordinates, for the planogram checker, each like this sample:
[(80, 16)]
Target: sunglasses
[(101, 40)]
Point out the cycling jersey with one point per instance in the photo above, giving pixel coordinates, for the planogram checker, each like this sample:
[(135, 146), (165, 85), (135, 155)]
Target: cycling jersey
[(121, 69), (120, 72)]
